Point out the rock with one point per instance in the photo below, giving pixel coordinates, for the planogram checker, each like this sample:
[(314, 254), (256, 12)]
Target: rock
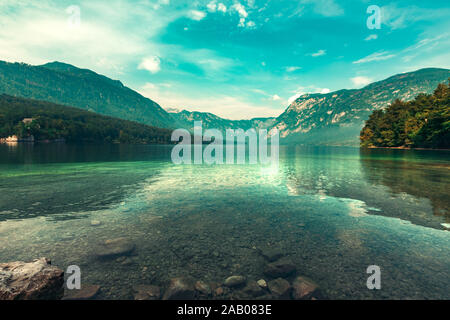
[(127, 262), (234, 281), (95, 223), (271, 254), (253, 289), (37, 280), (180, 289), (262, 283), (304, 288), (147, 292), (203, 288), (219, 291), (85, 293), (114, 248), (281, 268), (280, 288)]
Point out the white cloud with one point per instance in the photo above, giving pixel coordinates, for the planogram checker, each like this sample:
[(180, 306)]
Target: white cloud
[(361, 81), (371, 37), (212, 6), (251, 24), (319, 53), (152, 64), (221, 7), (243, 14), (276, 97), (196, 15), (326, 8), (226, 106), (240, 10), (377, 56), (292, 68)]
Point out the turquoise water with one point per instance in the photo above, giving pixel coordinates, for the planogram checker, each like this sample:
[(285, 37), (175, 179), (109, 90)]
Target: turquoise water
[(333, 211)]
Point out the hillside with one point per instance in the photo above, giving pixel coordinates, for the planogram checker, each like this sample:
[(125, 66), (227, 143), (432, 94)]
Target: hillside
[(421, 123), (337, 118), (68, 85), (52, 121)]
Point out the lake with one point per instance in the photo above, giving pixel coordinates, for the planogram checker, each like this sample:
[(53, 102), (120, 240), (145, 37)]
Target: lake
[(333, 211)]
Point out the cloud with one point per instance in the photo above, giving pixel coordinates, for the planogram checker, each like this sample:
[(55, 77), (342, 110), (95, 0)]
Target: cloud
[(152, 64), (293, 68), (377, 56), (221, 7), (371, 37), (243, 14), (399, 18), (222, 105), (196, 15), (213, 6), (319, 53), (326, 8), (276, 97), (361, 81)]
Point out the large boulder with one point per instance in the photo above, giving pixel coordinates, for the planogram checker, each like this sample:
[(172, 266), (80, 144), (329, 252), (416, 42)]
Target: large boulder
[(180, 289), (37, 280)]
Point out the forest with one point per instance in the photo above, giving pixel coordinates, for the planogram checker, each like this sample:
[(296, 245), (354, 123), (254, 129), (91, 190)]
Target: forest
[(52, 121), (421, 123)]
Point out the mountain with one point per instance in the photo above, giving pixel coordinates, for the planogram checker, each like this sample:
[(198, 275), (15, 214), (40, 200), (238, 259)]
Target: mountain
[(337, 118), (68, 85), (186, 119), (48, 121)]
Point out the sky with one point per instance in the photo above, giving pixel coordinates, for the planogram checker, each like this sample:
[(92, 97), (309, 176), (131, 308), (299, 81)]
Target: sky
[(238, 59)]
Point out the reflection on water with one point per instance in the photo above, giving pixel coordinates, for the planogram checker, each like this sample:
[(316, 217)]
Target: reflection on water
[(333, 211)]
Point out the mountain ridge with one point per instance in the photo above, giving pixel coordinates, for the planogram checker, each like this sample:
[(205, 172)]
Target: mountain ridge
[(68, 85)]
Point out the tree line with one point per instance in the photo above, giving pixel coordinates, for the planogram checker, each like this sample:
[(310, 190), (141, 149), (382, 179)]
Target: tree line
[(421, 123), (52, 121)]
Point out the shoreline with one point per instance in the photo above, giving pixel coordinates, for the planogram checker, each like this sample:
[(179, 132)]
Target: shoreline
[(405, 148)]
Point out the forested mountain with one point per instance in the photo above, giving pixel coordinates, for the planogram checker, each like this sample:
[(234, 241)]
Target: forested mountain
[(68, 85), (186, 119), (52, 121), (337, 118), (423, 122)]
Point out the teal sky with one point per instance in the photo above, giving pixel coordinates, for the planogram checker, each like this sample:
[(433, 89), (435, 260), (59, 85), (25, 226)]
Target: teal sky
[(237, 59)]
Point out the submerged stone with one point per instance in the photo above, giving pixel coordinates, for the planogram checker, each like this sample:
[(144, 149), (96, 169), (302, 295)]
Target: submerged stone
[(203, 288), (271, 254), (304, 288), (280, 288), (114, 248), (235, 281), (180, 289), (147, 292), (253, 289), (86, 292), (262, 283), (281, 268)]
